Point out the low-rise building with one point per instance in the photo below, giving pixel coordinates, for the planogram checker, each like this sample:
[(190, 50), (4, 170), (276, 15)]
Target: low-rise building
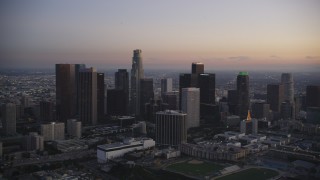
[(111, 151)]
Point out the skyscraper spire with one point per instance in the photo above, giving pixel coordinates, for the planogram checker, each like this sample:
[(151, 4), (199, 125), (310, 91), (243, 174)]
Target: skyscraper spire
[(249, 116)]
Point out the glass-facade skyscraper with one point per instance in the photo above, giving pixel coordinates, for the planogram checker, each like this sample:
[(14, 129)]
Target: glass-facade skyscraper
[(137, 74)]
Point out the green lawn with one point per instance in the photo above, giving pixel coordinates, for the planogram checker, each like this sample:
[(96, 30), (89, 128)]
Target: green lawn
[(195, 169), (252, 173)]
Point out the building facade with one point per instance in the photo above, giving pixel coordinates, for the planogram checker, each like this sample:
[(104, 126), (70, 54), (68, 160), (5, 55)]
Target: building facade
[(87, 88), (171, 128), (243, 94), (137, 73), (190, 104)]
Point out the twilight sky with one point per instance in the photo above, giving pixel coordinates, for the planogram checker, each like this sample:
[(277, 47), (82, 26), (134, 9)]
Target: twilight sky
[(223, 34)]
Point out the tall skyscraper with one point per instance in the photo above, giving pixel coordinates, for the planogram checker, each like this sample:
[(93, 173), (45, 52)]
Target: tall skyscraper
[(260, 110), (146, 93), (100, 97), (137, 74), (313, 96), (288, 90), (171, 128), (199, 79), (243, 94), (190, 104), (275, 96), (152, 108), (116, 102), (46, 111), (232, 101), (207, 83), (122, 83), (9, 123), (87, 89), (197, 68), (166, 85), (66, 100), (78, 67), (172, 99)]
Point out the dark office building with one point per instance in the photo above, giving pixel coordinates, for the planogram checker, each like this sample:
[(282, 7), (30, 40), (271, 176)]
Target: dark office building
[(78, 67), (122, 83), (116, 102), (172, 99), (313, 96), (210, 113), (184, 82), (275, 96), (197, 68), (46, 111), (66, 100), (146, 90), (199, 79), (87, 88), (260, 110), (152, 108), (286, 110), (100, 97), (232, 101), (206, 83), (243, 94)]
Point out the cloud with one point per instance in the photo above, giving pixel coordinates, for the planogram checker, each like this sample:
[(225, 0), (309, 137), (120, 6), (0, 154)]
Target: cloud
[(312, 57), (274, 56), (240, 58)]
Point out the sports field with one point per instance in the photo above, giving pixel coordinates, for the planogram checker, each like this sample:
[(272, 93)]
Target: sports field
[(251, 174), (195, 167)]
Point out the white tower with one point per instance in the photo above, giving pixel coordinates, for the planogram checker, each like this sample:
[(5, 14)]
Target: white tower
[(190, 104)]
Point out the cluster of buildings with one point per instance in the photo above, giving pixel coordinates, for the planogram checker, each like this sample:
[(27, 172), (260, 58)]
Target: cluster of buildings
[(83, 101)]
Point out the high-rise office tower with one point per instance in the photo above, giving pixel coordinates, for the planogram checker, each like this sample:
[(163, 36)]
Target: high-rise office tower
[(122, 83), (199, 79), (313, 96), (78, 67), (66, 100), (87, 88), (100, 97), (184, 82), (243, 94), (260, 110), (46, 111), (172, 99), (190, 104), (286, 110), (275, 96), (207, 83), (288, 90), (232, 101), (171, 128), (197, 68), (137, 74), (152, 108), (146, 93), (53, 131), (166, 85), (116, 102), (9, 124)]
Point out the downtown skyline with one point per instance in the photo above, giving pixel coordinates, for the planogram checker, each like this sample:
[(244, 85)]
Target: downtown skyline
[(241, 35)]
